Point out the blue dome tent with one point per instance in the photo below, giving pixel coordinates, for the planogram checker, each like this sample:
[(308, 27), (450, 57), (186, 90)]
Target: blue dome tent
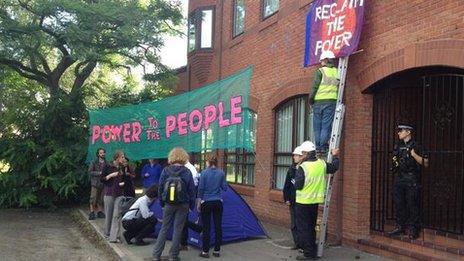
[(238, 221)]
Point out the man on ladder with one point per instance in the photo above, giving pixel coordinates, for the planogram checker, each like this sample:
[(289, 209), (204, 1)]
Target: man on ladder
[(329, 96), (310, 192), (323, 100)]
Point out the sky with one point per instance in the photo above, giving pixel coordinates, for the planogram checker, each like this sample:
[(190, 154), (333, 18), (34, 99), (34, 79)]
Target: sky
[(174, 52)]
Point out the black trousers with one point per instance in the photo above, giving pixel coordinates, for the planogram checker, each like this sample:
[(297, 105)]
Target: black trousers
[(306, 217), (215, 209), (139, 228), (293, 224), (189, 225), (406, 196)]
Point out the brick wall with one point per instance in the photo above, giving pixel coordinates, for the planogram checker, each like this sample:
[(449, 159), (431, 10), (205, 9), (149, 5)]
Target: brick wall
[(397, 35), (182, 82)]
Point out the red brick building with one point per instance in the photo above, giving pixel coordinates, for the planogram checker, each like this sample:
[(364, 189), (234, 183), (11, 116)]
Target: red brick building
[(411, 67)]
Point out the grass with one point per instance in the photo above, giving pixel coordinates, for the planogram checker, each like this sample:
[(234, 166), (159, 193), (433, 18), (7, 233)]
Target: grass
[(88, 231)]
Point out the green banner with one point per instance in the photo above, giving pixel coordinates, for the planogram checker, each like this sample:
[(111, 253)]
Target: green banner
[(216, 116)]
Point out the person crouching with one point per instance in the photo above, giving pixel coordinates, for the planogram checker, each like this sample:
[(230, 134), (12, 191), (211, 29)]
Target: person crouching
[(139, 222)]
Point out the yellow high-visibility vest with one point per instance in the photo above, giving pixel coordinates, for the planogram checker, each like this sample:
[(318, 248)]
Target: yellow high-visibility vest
[(314, 184), (328, 89)]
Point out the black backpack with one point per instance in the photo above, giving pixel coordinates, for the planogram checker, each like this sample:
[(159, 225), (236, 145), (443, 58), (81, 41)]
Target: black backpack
[(174, 186), (125, 204)]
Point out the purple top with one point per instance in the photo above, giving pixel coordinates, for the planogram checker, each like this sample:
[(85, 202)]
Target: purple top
[(112, 187)]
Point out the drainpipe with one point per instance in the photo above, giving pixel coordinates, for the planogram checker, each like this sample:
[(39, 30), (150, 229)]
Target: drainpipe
[(220, 40), (339, 218), (189, 76), (221, 2)]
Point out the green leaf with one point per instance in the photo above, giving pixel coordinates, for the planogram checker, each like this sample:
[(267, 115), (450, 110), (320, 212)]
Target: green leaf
[(27, 199)]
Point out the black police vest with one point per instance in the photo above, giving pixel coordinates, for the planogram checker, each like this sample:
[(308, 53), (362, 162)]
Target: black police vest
[(407, 164)]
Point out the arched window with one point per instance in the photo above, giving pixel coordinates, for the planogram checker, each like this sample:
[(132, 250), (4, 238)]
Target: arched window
[(293, 125), (432, 100)]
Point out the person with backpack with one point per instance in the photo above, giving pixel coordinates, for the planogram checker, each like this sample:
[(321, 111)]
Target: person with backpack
[(177, 194), (212, 184), (138, 221)]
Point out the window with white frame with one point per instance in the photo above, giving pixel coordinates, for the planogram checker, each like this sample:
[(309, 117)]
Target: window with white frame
[(201, 29), (293, 126), (239, 17), (206, 28)]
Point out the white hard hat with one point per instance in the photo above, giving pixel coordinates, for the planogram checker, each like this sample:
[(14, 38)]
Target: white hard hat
[(307, 146), (327, 55), (298, 151)]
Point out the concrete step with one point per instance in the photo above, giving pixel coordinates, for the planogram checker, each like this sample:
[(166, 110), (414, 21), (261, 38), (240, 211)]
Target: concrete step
[(447, 242), (403, 250)]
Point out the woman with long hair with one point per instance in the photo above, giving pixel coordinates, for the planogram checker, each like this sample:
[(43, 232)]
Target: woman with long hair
[(113, 178), (212, 184)]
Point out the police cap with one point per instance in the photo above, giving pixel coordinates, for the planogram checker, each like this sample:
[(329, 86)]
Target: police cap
[(405, 126)]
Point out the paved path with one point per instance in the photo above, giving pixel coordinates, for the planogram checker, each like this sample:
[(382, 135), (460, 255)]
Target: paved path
[(41, 235), (264, 249)]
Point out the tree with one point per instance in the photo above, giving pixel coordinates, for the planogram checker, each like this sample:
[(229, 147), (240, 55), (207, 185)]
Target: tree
[(43, 39), (53, 46)]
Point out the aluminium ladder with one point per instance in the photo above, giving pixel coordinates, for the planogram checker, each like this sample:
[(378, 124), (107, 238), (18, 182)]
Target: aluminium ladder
[(334, 143)]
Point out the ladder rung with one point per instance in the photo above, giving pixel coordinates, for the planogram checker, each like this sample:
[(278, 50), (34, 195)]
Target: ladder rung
[(334, 142)]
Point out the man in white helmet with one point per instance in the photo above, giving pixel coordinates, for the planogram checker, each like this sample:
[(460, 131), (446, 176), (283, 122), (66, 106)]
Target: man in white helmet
[(310, 192), (289, 192), (323, 99)]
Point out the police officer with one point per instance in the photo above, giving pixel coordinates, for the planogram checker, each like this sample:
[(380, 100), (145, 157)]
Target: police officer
[(310, 192), (407, 162)]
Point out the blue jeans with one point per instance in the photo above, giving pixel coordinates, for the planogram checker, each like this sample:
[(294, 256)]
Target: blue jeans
[(323, 115)]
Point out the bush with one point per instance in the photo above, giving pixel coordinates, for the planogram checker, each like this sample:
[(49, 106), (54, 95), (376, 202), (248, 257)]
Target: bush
[(43, 143)]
